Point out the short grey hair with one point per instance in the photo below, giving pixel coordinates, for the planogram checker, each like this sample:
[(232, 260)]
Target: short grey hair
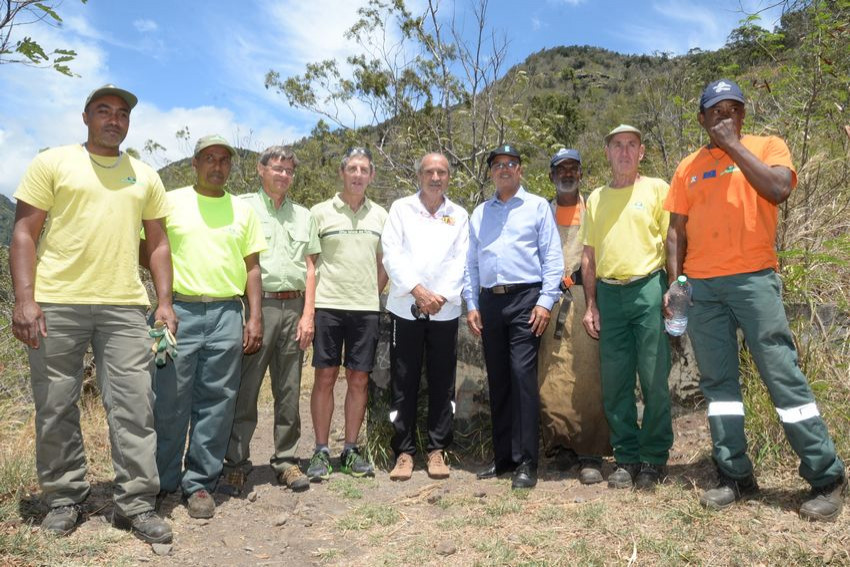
[(278, 153), (418, 165), (356, 151)]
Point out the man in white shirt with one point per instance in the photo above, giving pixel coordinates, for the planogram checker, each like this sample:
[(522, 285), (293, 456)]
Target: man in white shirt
[(424, 242)]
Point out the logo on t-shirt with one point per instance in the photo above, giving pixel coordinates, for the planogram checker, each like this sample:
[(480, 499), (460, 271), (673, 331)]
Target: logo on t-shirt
[(128, 180), (638, 205), (709, 174)]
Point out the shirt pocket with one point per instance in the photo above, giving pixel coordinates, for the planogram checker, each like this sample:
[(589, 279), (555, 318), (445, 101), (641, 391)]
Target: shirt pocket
[(299, 237)]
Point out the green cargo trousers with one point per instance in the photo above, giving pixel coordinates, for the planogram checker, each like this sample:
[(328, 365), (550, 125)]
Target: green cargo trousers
[(632, 341), (752, 302), (119, 339), (283, 358)]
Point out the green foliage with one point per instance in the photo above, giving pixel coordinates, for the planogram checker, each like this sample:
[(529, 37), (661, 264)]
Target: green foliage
[(26, 50)]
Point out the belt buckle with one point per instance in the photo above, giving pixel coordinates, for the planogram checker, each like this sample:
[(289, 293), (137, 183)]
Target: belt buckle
[(499, 289)]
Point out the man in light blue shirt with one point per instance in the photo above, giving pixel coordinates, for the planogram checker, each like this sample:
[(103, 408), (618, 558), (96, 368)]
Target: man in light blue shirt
[(512, 277)]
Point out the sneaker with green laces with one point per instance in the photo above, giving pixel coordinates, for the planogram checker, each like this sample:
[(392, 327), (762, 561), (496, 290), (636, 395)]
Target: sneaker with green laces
[(355, 464), (320, 467)]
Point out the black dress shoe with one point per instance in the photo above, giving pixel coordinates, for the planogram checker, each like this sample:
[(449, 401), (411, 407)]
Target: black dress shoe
[(525, 476), (493, 471)]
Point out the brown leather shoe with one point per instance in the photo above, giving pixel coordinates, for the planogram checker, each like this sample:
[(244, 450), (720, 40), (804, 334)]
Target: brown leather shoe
[(403, 469), (294, 479), (437, 467)]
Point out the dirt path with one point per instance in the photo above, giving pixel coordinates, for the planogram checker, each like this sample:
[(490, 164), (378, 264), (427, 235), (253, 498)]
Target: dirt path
[(462, 521)]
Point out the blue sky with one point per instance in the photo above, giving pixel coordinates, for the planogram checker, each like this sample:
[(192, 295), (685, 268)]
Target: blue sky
[(201, 64)]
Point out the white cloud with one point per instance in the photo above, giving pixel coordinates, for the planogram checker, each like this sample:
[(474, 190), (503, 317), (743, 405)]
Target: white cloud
[(145, 26)]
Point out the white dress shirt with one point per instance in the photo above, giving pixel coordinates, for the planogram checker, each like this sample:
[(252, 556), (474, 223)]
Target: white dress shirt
[(426, 249)]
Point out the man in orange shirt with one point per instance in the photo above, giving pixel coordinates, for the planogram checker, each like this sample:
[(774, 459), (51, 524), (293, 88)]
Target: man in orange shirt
[(723, 203), (572, 418)]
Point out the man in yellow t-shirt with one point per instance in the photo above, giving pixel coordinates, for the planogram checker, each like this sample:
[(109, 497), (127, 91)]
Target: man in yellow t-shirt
[(349, 277), (81, 286), (216, 242), (723, 203), (624, 230), (572, 417)]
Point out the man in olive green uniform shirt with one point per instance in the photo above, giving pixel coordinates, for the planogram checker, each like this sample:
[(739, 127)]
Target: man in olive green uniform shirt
[(289, 287)]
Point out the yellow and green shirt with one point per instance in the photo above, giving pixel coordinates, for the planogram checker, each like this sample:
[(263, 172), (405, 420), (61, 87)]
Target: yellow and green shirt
[(89, 250)]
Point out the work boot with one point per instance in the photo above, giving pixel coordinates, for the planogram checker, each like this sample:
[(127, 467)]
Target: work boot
[(403, 468), (231, 483), (649, 476), (294, 479), (355, 464), (147, 526), (437, 467), (727, 491), (624, 475), (826, 502), (62, 520), (590, 471), (200, 504)]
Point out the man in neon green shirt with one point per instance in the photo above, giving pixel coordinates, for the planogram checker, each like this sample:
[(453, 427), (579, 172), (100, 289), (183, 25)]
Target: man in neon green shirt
[(216, 244), (624, 229), (81, 286)]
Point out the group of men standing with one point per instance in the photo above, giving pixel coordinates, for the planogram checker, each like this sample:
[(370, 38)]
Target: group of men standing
[(248, 283)]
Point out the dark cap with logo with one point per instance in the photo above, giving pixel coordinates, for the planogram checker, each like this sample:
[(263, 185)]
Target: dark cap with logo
[(127, 96), (564, 154), (722, 89), (504, 150)]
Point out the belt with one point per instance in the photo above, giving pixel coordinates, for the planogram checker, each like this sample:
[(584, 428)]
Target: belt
[(203, 298), (632, 279), (510, 288), (283, 294)]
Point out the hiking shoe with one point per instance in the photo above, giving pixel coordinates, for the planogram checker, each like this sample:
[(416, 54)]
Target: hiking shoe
[(353, 463), (623, 475), (727, 491), (231, 483), (590, 471), (200, 504), (320, 467), (826, 502), (649, 476), (403, 468), (147, 526), (294, 479), (61, 520), (437, 467)]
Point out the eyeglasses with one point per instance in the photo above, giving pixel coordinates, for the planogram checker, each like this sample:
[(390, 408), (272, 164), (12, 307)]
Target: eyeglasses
[(290, 171), (505, 165)]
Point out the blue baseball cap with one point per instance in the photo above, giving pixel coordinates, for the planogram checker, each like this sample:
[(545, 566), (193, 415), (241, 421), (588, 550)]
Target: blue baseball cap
[(562, 154), (722, 89)]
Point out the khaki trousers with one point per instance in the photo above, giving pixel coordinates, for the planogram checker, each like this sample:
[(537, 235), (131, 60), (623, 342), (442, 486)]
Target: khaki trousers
[(119, 339)]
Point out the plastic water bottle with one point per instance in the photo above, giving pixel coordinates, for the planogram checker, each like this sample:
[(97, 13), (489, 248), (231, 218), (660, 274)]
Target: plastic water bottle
[(678, 301)]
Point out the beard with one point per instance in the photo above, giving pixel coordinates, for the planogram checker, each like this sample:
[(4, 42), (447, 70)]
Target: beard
[(566, 187)]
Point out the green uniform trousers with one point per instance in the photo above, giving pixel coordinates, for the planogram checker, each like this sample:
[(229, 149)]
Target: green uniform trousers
[(632, 341), (281, 355), (121, 346), (752, 302)]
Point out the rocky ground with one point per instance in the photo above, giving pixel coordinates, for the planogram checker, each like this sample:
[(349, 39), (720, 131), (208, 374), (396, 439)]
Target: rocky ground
[(463, 521)]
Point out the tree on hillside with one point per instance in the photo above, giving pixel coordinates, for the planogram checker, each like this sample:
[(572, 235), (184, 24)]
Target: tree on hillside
[(420, 84), (17, 13)]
